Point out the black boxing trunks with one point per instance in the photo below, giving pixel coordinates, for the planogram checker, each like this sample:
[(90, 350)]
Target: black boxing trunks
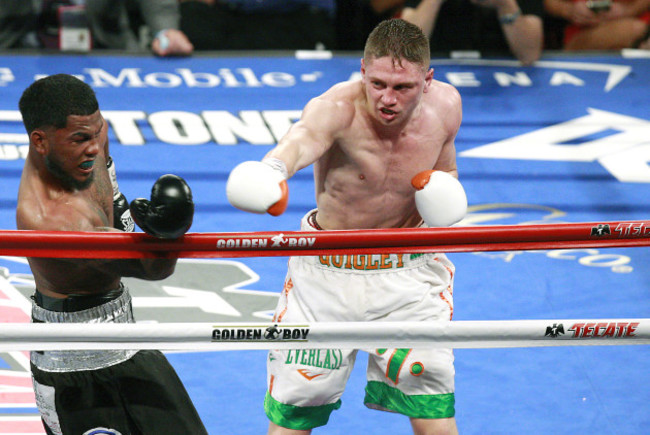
[(107, 391)]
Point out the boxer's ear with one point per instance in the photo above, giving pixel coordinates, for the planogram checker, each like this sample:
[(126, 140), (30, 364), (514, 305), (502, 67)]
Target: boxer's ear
[(428, 78), (38, 139)]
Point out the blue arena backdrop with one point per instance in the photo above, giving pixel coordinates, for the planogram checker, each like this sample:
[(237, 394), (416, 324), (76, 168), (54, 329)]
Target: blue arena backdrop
[(566, 140)]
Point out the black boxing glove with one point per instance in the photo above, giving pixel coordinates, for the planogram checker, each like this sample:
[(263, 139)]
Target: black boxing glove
[(122, 219), (121, 214), (169, 213)]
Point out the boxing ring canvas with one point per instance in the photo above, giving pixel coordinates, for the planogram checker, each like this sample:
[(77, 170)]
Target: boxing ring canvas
[(566, 140)]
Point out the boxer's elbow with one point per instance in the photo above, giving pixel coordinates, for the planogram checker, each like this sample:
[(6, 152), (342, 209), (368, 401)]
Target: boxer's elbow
[(159, 269)]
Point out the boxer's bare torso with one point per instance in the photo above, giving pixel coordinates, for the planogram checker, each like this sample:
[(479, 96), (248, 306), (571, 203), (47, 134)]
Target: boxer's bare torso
[(367, 145), (76, 196)]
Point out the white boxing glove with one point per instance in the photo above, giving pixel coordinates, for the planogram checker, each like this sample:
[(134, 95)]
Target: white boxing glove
[(259, 187), (440, 198)]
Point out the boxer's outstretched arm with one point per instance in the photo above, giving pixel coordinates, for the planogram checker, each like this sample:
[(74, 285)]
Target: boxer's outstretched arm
[(261, 187), (315, 133)]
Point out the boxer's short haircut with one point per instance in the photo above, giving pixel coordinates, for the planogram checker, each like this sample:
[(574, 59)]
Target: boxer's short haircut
[(50, 100), (400, 40)]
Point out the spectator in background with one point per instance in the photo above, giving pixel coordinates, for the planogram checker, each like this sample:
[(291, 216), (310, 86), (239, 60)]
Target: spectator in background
[(109, 23), (36, 24), (17, 24), (258, 25), (488, 26), (602, 24)]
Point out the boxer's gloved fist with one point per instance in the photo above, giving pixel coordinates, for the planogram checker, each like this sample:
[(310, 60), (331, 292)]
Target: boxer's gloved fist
[(169, 213), (121, 214), (440, 198), (259, 187)]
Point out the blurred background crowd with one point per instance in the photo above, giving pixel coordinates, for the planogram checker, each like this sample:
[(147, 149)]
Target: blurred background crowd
[(521, 29)]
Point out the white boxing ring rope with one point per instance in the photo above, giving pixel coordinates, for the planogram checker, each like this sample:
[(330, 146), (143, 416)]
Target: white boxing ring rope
[(322, 335)]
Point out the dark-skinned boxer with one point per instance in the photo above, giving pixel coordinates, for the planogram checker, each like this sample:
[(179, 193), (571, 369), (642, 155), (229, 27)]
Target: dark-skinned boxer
[(66, 186)]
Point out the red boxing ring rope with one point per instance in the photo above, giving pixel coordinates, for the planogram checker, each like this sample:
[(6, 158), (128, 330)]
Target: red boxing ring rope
[(59, 244)]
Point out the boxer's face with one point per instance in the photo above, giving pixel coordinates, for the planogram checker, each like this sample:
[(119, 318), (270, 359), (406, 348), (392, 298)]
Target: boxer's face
[(393, 89), (71, 151)]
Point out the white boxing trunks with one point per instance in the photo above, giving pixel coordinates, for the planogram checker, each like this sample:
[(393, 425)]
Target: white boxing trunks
[(305, 386)]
